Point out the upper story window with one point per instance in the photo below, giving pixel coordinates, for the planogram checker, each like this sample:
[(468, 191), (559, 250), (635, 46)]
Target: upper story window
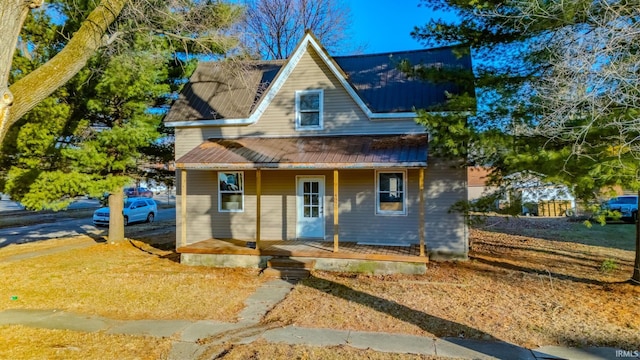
[(309, 110), (391, 194)]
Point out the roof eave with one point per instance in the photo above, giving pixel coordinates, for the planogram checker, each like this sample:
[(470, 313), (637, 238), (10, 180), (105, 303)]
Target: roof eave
[(210, 122), (298, 166), (396, 115), (252, 119)]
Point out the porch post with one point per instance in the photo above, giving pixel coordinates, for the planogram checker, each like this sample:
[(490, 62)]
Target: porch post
[(183, 207), (258, 205), (421, 220), (336, 205)]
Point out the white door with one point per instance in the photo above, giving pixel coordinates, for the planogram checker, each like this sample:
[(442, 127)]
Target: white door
[(310, 204)]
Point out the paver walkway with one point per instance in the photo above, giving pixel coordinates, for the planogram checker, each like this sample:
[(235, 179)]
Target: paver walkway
[(249, 329)]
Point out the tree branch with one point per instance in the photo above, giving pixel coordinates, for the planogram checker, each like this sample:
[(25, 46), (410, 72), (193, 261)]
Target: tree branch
[(42, 82)]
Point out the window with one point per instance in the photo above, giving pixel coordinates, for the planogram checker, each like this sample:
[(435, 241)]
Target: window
[(231, 191), (309, 110), (390, 192)]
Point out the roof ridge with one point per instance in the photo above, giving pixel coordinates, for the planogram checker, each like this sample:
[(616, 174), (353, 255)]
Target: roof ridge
[(247, 62), (398, 52)]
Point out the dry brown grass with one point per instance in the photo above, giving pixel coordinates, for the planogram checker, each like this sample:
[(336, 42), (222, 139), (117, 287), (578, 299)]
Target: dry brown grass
[(526, 291), (520, 289), (127, 281), (263, 350), (20, 342)]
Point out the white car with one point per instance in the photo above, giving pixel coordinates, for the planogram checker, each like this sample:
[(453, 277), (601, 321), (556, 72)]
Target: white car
[(135, 210)]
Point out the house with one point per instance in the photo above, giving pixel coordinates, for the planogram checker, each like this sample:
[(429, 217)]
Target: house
[(477, 179), (539, 197), (525, 189), (314, 156)]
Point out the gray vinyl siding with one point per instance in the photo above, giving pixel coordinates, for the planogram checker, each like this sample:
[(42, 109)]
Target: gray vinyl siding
[(200, 206), (278, 203), (358, 219), (446, 233), (204, 221)]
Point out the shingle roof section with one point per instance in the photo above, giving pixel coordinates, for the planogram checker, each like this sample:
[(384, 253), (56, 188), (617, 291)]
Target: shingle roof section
[(309, 152), (223, 90)]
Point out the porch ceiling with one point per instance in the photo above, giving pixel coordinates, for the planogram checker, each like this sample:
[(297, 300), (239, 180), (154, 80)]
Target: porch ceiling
[(318, 152)]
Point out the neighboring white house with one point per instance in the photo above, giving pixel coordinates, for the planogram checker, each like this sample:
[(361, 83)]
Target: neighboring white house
[(537, 197)]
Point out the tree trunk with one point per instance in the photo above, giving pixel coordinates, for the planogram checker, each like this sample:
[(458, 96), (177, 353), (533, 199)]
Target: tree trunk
[(25, 94), (12, 15), (635, 278), (116, 219)]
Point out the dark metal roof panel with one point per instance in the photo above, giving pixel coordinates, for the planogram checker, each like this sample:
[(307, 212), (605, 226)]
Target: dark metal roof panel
[(384, 88), (309, 152)]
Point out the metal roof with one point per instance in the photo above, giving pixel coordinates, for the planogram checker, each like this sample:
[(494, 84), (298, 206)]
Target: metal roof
[(231, 90), (325, 152), (386, 89)]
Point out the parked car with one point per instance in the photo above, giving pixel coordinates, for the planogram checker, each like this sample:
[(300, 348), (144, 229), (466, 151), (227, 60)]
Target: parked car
[(158, 189), (626, 205), (137, 209), (138, 192)]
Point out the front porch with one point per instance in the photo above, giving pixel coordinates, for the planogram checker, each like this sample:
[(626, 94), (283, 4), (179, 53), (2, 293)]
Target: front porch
[(351, 256)]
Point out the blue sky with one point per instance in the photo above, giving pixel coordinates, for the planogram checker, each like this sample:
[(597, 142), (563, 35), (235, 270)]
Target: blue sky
[(384, 26)]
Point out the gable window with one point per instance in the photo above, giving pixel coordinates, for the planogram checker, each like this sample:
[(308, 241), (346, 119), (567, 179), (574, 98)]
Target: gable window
[(230, 191), (391, 195), (309, 110)]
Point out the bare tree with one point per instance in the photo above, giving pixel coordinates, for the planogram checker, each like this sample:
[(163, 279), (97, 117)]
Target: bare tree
[(588, 98), (273, 27)]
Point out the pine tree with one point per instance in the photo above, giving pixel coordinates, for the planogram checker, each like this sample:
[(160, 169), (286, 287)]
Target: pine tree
[(557, 85), (91, 135)]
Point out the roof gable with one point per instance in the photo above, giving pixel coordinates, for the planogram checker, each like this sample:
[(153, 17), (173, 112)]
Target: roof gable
[(238, 94)]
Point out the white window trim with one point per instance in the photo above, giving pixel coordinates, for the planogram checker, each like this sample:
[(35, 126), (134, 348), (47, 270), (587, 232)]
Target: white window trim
[(404, 193), (320, 125), (220, 192)]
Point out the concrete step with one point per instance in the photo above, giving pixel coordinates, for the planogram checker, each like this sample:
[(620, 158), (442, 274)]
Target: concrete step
[(286, 274), (288, 263)]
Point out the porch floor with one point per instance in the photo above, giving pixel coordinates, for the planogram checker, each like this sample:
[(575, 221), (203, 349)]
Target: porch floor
[(306, 248)]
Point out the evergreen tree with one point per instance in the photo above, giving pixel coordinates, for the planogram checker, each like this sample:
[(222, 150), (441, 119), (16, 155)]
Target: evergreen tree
[(557, 84), (91, 136)]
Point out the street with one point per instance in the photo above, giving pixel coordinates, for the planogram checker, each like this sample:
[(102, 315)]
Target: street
[(64, 228)]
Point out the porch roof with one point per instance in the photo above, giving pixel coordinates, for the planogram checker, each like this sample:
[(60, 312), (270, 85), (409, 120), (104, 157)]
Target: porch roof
[(317, 152)]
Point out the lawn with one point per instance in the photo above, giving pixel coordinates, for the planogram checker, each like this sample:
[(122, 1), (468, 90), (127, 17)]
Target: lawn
[(127, 281), (24, 343), (618, 235), (526, 290)]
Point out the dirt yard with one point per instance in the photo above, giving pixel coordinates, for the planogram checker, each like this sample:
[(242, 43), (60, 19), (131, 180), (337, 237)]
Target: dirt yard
[(523, 290), (527, 290)]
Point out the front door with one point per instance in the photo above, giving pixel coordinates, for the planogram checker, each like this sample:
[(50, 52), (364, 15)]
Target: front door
[(310, 204)]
